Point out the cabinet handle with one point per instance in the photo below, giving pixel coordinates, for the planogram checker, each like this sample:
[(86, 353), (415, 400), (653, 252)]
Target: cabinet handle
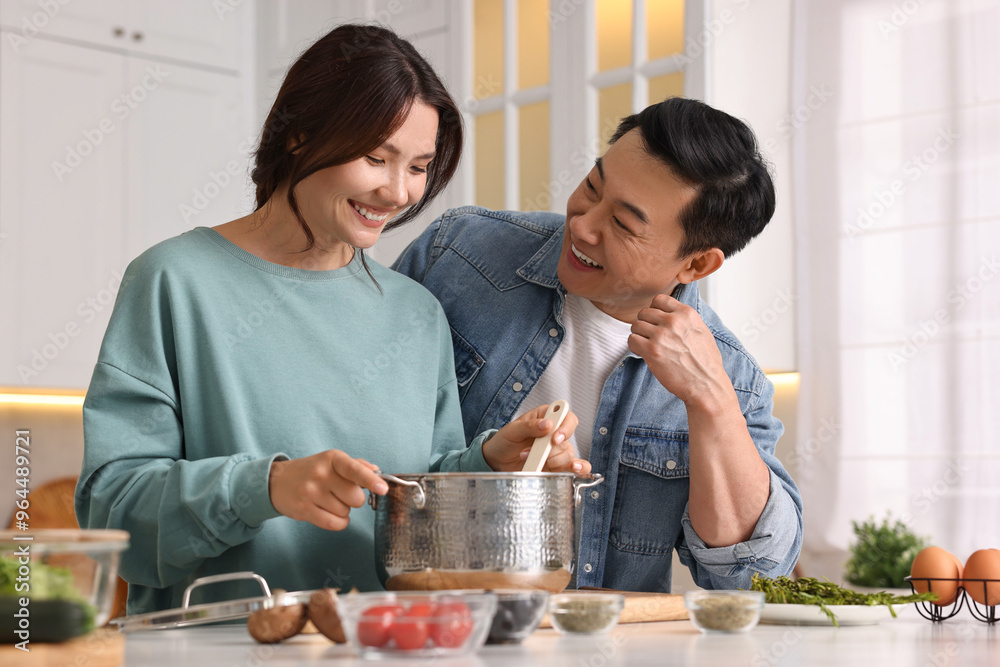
[(137, 36), (118, 31)]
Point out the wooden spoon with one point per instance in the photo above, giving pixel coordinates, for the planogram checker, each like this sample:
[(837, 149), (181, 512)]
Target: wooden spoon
[(543, 445)]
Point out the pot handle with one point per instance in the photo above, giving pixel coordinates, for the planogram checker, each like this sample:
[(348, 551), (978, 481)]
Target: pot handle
[(579, 486), (230, 576), (418, 501)]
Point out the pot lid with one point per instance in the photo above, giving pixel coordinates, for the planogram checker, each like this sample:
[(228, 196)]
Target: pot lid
[(212, 612)]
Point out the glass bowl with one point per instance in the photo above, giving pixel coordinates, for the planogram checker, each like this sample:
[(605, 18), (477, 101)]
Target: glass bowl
[(585, 613), (724, 611), (518, 614), (72, 573), (416, 624)]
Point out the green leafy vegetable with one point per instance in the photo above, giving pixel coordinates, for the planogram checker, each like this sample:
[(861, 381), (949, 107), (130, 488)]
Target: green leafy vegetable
[(46, 582), (58, 610), (807, 590), (883, 554)]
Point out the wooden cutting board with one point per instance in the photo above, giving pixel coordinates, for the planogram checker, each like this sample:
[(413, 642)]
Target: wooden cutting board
[(641, 607), (101, 648)]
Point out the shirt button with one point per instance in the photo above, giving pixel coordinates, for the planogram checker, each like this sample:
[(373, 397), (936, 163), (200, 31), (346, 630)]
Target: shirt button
[(588, 567), (671, 465), (595, 495), (517, 386), (602, 431), (553, 332)]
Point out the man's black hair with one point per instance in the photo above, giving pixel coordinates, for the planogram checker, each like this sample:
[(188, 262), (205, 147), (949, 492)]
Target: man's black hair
[(718, 155)]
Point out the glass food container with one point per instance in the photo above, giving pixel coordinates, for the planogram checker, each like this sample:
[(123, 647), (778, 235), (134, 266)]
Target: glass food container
[(67, 576)]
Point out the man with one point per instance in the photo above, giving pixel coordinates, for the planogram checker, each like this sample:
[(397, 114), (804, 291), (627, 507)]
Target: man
[(601, 307)]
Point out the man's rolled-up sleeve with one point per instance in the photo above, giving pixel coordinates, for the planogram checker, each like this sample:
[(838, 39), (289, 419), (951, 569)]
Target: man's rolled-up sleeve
[(772, 549)]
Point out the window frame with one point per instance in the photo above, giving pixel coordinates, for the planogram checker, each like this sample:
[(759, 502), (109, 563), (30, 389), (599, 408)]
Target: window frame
[(572, 92)]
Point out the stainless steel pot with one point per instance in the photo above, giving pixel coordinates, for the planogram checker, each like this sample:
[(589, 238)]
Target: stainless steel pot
[(477, 530)]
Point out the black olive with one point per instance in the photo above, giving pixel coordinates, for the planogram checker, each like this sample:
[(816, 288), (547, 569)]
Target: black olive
[(515, 619)]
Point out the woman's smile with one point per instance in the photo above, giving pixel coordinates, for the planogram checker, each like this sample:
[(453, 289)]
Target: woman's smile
[(370, 216)]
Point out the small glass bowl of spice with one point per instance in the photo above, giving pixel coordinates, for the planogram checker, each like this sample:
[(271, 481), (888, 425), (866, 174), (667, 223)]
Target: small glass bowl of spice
[(724, 611), (585, 613)]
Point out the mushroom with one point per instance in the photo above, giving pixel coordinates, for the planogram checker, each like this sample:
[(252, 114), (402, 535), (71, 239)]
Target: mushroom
[(323, 614), (275, 624)]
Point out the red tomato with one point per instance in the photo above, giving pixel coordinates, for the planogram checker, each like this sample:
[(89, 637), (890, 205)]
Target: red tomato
[(376, 623), (454, 624), (409, 630)]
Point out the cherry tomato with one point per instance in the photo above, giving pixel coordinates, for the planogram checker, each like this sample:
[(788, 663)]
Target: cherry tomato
[(453, 625), (409, 630), (376, 623)]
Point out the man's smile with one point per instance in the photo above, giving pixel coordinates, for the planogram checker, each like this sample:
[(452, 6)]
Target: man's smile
[(583, 258)]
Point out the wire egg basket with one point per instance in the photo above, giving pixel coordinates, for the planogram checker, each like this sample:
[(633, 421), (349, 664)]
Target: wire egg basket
[(934, 612)]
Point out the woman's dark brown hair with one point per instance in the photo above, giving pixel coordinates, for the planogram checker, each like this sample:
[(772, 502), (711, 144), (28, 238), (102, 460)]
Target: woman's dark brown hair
[(343, 98)]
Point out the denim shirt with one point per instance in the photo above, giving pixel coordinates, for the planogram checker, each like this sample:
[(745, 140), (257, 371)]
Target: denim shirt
[(495, 275)]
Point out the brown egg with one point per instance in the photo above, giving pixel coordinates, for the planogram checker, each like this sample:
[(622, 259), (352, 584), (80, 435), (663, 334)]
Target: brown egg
[(983, 564), (936, 563)]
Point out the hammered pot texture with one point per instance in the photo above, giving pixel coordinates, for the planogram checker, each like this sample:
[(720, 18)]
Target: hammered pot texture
[(502, 524)]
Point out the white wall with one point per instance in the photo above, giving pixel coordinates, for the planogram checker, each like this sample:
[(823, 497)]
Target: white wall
[(749, 76)]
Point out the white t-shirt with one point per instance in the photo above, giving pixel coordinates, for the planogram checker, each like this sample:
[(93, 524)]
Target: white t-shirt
[(593, 344)]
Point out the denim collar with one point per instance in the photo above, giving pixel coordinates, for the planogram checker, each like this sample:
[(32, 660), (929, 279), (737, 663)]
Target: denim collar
[(542, 269)]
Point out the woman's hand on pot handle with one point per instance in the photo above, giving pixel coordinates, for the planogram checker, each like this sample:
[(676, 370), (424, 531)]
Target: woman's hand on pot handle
[(508, 449), (322, 488)]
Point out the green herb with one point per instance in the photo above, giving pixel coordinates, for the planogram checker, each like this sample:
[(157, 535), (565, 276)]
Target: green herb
[(807, 590), (883, 554)]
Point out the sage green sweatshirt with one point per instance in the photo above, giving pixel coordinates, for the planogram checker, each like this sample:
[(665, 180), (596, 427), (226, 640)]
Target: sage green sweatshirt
[(215, 364)]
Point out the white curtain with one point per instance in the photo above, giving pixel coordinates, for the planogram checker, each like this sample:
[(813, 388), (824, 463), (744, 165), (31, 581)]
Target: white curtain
[(897, 207)]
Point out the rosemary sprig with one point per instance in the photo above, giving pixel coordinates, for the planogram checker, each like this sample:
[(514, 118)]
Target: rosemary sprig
[(808, 590)]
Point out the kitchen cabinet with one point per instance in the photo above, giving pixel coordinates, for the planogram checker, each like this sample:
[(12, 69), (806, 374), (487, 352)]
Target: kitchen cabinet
[(188, 155), (61, 232), (192, 31), (103, 155), (414, 17)]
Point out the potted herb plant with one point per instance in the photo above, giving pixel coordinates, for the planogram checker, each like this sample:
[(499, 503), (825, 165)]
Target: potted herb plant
[(882, 554)]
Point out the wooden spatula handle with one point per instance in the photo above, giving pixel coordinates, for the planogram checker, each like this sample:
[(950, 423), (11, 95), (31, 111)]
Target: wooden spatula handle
[(540, 449)]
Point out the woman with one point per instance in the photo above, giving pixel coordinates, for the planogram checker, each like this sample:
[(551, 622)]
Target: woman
[(255, 375)]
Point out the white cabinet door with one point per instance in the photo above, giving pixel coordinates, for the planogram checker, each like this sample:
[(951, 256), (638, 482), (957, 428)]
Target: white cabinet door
[(187, 156), (413, 17), (61, 209), (196, 31), (96, 21)]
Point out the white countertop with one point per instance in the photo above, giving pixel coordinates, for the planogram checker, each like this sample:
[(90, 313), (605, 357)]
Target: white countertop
[(906, 641)]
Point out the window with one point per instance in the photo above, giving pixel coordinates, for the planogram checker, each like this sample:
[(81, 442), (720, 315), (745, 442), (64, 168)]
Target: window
[(899, 221), (551, 80)]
